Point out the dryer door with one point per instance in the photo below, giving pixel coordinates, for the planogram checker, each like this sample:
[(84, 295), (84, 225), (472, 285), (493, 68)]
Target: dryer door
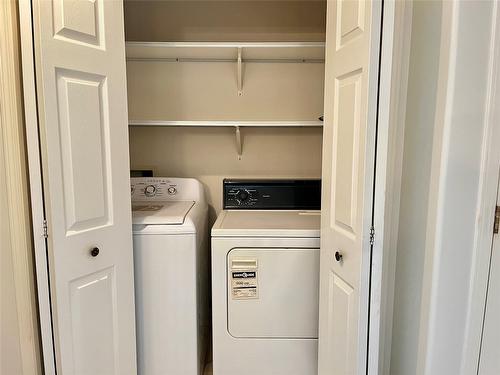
[(273, 292)]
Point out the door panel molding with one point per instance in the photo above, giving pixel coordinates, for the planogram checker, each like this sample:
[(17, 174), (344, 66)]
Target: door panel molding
[(346, 140), (86, 188), (70, 26), (85, 313), (353, 13)]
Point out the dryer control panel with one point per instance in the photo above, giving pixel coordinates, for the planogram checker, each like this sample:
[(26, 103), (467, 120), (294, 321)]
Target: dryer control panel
[(272, 194)]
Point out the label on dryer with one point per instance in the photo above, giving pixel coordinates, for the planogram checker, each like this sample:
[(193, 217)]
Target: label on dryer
[(244, 284)]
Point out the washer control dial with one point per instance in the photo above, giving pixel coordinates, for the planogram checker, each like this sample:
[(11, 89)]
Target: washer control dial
[(150, 191), (172, 190)]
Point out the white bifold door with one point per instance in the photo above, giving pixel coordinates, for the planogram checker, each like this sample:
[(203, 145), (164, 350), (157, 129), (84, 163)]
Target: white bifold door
[(82, 108), (351, 86)]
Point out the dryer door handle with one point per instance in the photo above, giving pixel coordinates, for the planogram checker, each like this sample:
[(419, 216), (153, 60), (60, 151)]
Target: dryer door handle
[(243, 263)]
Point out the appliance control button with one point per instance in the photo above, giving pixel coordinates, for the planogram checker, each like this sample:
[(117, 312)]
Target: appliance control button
[(243, 195), (171, 190), (150, 190)]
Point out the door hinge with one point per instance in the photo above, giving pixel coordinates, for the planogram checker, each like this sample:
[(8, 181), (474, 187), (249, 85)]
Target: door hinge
[(496, 226), (372, 235), (45, 229)]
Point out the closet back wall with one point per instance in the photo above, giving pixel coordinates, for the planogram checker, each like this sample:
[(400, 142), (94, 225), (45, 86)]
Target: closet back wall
[(210, 154), (228, 20)]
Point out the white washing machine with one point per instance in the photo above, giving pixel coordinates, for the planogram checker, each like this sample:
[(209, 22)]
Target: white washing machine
[(171, 264), (265, 278)]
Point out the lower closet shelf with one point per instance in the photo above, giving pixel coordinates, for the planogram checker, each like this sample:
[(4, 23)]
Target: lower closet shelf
[(236, 124)]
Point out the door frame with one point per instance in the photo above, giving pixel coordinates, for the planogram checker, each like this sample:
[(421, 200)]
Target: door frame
[(488, 184), (440, 264), (36, 185), (395, 53), (17, 215), (394, 68)]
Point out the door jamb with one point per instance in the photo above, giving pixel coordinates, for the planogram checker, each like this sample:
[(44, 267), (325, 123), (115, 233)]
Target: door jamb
[(36, 184), (396, 38), (490, 168), (16, 188)]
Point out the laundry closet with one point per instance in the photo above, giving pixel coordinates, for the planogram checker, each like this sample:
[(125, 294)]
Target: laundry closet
[(227, 90), (221, 105), (195, 111)]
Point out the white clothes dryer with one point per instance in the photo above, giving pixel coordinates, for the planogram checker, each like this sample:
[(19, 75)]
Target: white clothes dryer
[(265, 278), (171, 266)]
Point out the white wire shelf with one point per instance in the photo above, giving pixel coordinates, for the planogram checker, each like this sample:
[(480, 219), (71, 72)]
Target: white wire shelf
[(250, 52), (232, 52), (316, 123), (234, 124)]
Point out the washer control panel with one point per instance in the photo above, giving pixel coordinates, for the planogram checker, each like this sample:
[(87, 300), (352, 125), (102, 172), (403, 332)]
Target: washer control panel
[(152, 188), (272, 194)]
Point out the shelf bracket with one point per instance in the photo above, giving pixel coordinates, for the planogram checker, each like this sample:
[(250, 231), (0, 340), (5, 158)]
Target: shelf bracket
[(240, 71), (239, 146)]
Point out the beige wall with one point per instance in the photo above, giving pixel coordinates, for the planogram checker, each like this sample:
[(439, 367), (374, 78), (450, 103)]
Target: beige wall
[(10, 350), (208, 91), (209, 154), (187, 91), (229, 20)]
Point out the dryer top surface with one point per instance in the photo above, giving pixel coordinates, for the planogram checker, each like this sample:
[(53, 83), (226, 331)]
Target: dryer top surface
[(267, 223)]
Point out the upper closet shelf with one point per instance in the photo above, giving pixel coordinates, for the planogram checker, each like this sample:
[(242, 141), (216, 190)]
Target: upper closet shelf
[(227, 123), (281, 52)]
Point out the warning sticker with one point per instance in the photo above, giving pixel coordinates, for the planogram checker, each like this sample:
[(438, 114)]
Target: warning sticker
[(244, 284)]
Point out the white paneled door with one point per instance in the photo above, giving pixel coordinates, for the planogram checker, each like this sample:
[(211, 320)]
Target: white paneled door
[(82, 106), (351, 86)]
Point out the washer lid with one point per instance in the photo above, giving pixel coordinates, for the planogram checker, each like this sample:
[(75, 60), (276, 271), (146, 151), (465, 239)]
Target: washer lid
[(267, 223), (160, 212)]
